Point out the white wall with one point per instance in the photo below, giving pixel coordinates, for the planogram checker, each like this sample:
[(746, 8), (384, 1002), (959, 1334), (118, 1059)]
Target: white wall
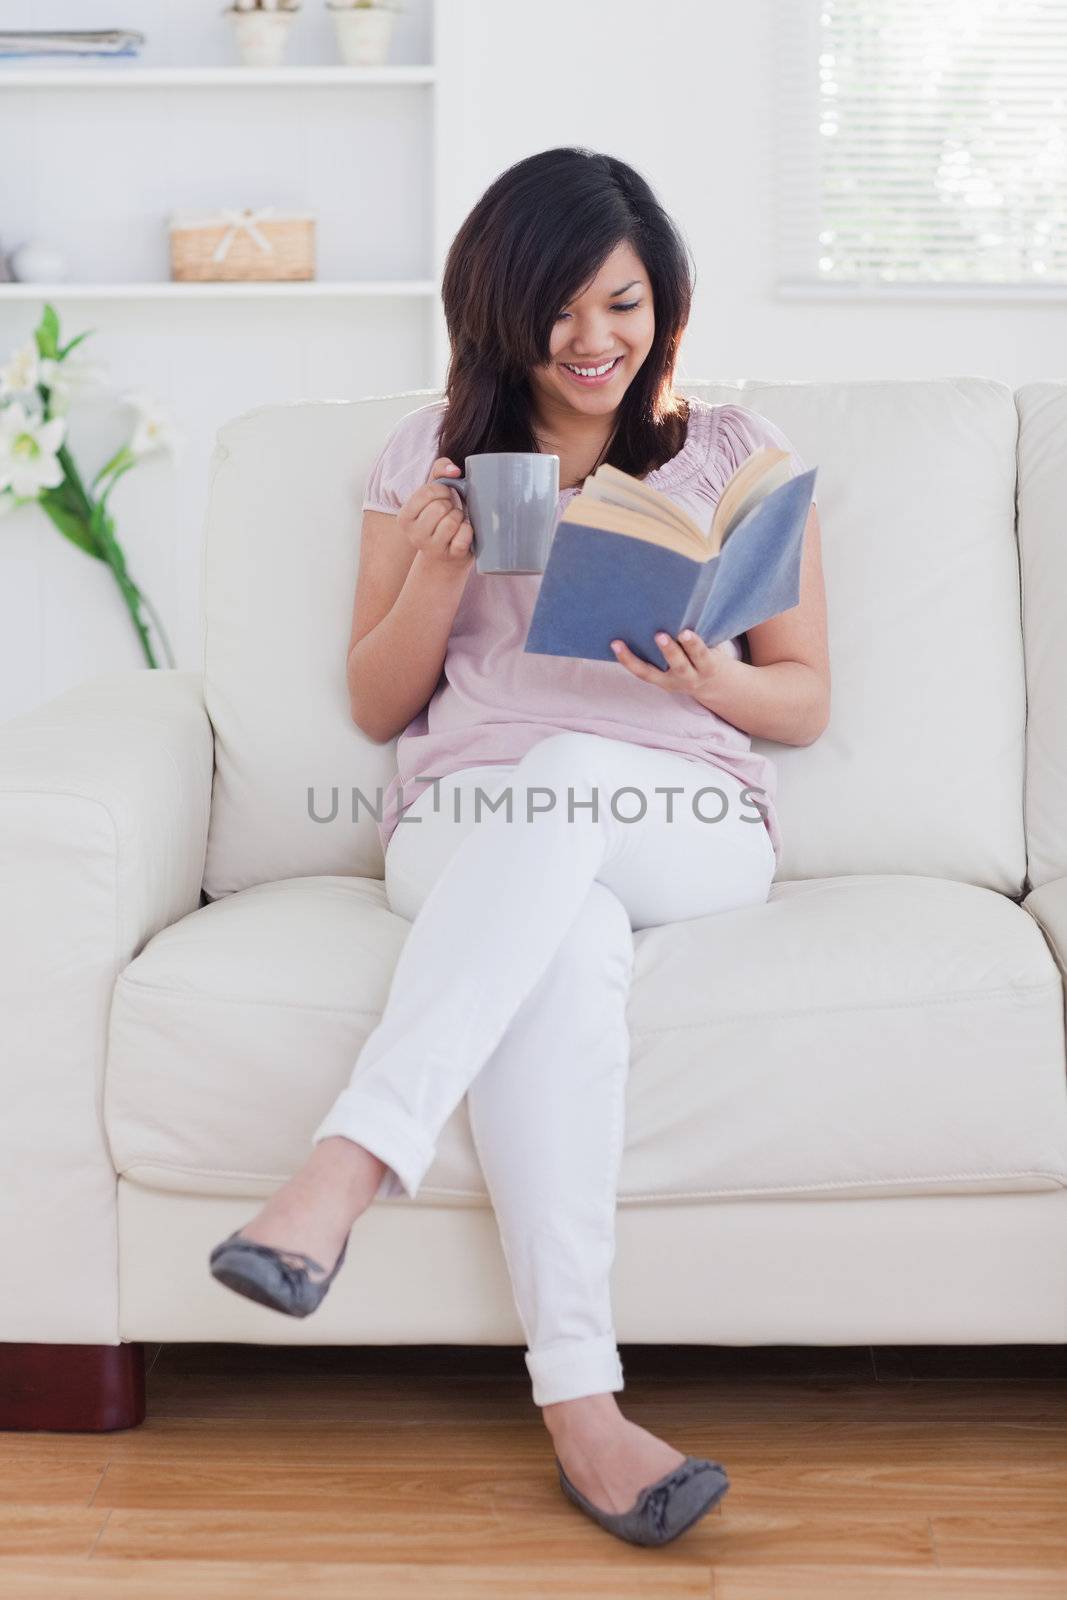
[(683, 91)]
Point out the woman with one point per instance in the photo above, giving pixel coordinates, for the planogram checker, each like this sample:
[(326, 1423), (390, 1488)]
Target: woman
[(512, 985)]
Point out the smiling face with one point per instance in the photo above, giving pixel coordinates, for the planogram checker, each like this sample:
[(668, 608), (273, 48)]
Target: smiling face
[(611, 324)]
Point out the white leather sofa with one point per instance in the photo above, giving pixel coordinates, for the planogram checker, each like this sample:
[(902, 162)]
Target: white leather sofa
[(847, 1109)]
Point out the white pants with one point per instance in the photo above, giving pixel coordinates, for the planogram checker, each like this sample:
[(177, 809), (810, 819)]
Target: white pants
[(512, 988)]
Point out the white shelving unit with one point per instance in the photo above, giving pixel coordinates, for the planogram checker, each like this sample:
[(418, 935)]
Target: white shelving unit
[(133, 76)]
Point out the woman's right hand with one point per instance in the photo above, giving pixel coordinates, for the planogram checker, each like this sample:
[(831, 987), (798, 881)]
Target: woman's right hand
[(435, 527)]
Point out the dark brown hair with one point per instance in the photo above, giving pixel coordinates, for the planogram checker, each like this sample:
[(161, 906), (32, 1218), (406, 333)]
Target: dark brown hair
[(539, 234)]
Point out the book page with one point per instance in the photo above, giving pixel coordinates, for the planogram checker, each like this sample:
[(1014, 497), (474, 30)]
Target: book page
[(765, 470), (771, 480), (619, 503), (609, 485), (633, 525)]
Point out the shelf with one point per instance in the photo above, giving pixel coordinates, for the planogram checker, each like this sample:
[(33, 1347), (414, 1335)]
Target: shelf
[(134, 77), (317, 289)]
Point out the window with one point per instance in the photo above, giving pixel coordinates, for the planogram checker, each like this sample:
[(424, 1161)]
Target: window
[(922, 146)]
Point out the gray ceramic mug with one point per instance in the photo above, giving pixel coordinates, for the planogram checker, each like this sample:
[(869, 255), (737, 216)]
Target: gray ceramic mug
[(512, 501)]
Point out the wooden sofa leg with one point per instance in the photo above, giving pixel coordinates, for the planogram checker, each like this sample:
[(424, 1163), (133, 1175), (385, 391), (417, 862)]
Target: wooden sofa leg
[(72, 1388)]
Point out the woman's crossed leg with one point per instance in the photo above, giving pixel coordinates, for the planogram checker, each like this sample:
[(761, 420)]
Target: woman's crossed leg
[(512, 989)]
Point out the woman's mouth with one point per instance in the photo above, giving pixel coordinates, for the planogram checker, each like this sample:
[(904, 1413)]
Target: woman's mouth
[(591, 377)]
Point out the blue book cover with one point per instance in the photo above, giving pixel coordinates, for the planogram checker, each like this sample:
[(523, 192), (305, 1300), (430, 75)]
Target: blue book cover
[(600, 584)]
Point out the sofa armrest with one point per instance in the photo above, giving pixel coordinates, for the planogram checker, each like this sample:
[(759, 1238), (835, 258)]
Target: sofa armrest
[(105, 794), (1048, 907)]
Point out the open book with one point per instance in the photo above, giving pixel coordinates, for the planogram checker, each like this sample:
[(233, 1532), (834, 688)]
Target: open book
[(626, 562)]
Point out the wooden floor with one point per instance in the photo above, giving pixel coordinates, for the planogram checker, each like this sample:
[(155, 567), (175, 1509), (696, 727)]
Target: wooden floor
[(885, 1474)]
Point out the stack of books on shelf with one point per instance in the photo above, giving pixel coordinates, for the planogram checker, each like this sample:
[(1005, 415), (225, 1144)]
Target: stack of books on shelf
[(112, 43)]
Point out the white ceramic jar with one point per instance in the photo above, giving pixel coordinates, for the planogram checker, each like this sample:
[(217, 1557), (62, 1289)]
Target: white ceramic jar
[(261, 36), (37, 261), (363, 34)]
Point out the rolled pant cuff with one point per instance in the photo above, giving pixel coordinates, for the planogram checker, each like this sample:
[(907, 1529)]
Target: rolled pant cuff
[(377, 1128), (579, 1367)]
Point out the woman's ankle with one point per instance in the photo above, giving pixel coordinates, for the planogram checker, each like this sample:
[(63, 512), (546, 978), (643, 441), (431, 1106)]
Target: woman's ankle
[(588, 1414), (321, 1202), (351, 1166)]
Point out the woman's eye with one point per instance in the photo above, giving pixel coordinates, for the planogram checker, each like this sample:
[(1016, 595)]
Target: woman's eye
[(631, 307)]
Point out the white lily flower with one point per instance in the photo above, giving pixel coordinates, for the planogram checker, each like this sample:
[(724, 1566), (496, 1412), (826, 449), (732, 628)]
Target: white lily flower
[(154, 429), (22, 371), (28, 446), (65, 380)]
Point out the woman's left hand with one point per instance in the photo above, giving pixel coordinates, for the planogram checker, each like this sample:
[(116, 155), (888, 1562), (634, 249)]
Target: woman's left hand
[(691, 664)]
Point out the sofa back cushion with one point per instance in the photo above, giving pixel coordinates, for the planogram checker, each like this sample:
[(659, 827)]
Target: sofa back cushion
[(1042, 411), (921, 768)]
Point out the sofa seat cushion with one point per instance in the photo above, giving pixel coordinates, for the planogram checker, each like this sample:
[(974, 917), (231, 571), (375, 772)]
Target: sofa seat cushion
[(868, 1035)]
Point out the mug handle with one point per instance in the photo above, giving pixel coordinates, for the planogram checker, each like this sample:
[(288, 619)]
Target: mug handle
[(455, 483)]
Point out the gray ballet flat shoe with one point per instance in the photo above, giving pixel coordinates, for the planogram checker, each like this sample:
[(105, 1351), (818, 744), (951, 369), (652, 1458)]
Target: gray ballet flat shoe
[(663, 1509), (269, 1276)]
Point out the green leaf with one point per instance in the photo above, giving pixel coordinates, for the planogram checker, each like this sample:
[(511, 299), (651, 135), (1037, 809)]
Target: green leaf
[(73, 481), (67, 498), (47, 334), (72, 527), (67, 348)]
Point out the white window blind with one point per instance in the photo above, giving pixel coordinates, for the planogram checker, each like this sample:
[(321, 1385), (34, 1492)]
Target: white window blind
[(922, 143)]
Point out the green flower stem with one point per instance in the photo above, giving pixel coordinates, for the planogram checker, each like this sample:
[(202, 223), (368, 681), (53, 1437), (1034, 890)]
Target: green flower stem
[(132, 598), (105, 531), (118, 562), (120, 462), (154, 614)]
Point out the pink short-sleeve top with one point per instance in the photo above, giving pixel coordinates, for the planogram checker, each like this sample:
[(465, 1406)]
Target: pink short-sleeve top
[(493, 702)]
